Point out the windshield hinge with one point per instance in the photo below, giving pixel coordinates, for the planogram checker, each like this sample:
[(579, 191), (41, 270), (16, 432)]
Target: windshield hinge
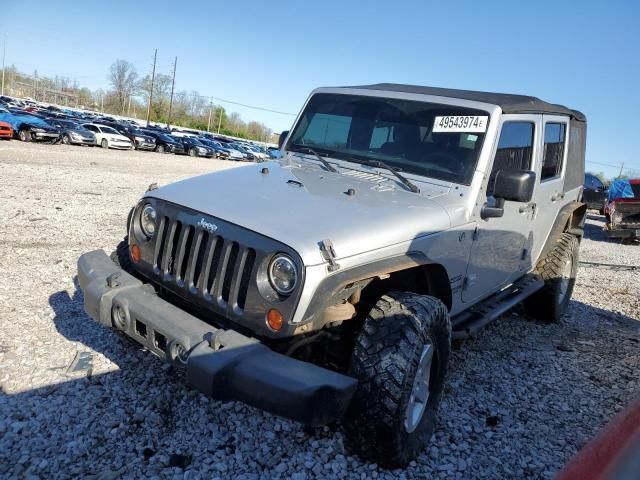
[(329, 254)]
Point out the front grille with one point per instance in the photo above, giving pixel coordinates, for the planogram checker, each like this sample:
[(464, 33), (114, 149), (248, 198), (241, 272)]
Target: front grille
[(205, 264)]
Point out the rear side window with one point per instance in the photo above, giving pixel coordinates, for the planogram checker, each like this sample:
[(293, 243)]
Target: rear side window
[(515, 149), (554, 140)]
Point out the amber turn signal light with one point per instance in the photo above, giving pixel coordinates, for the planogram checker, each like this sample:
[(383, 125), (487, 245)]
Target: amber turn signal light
[(274, 320), (135, 253)]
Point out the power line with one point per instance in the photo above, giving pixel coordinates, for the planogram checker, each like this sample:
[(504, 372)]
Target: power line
[(254, 107)]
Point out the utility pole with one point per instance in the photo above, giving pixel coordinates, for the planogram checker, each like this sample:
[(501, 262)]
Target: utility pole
[(4, 52), (173, 83), (129, 107), (220, 121), (209, 122), (153, 76), (102, 102), (621, 169)]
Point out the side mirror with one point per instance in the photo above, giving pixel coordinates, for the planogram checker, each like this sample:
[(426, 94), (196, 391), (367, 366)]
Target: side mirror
[(282, 138), (514, 185), (510, 184)]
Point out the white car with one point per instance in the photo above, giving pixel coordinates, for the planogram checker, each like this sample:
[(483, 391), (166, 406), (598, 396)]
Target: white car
[(257, 153), (107, 137)]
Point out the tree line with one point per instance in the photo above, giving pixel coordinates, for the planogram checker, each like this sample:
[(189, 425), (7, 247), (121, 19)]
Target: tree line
[(128, 95)]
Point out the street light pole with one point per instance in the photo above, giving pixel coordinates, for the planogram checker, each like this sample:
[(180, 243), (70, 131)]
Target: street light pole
[(153, 76), (173, 82)]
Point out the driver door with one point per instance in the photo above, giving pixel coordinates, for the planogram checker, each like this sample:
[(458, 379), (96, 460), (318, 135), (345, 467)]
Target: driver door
[(501, 248)]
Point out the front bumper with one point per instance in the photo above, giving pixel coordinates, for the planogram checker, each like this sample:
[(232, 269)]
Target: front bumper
[(44, 135), (83, 141), (220, 363), (145, 145)]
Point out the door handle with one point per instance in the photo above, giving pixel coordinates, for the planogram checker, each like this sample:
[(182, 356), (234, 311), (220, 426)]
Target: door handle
[(529, 207), (557, 196)]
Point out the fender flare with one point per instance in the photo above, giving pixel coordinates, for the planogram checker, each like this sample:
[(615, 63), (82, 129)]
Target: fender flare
[(570, 219)]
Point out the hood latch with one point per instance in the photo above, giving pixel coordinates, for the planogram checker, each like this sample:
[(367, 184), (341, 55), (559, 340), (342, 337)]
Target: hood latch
[(329, 254)]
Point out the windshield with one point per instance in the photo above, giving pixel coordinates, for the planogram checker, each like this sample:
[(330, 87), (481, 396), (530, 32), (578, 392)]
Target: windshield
[(400, 133)]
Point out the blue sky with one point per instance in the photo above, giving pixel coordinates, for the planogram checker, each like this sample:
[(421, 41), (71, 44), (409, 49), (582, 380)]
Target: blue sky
[(584, 54)]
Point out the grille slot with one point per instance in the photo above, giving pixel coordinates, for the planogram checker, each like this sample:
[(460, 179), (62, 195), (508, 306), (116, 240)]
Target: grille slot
[(208, 265)]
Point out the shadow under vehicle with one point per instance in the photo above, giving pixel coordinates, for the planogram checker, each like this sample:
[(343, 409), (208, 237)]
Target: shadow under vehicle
[(328, 284)]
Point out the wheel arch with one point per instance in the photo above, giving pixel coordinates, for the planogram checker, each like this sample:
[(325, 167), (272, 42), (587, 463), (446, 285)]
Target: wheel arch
[(362, 286), (570, 219)]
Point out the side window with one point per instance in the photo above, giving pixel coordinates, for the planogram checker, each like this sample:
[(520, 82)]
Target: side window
[(515, 149), (554, 139)]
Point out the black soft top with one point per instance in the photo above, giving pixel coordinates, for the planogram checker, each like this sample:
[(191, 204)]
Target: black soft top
[(507, 102)]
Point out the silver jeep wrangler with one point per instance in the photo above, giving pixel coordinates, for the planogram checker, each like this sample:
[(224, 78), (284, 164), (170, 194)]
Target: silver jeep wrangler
[(329, 284)]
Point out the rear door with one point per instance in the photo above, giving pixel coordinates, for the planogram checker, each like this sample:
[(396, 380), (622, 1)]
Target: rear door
[(549, 195)]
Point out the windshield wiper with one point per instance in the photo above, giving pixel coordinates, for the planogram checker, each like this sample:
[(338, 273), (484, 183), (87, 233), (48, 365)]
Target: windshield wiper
[(404, 180), (311, 151)]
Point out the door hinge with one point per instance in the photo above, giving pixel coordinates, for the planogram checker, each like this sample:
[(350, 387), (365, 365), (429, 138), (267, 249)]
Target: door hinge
[(329, 254)]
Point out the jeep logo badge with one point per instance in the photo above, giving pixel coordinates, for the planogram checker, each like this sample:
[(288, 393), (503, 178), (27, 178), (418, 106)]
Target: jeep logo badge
[(208, 226)]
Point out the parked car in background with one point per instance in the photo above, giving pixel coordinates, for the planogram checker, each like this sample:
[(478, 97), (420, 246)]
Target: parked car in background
[(622, 210), (274, 152), (28, 127), (246, 153), (108, 137), (74, 133), (6, 131), (194, 148), (594, 193), (257, 152), (165, 143), (139, 139), (220, 152)]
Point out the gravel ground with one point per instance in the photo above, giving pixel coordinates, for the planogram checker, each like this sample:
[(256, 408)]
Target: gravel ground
[(522, 397)]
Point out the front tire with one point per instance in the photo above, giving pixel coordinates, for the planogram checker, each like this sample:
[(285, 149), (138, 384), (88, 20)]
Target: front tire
[(104, 143), (192, 152), (558, 269), (24, 135), (160, 149), (66, 139), (400, 360)]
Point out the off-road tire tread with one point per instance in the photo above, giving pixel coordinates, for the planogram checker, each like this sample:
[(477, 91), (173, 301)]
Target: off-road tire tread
[(542, 304), (388, 347)]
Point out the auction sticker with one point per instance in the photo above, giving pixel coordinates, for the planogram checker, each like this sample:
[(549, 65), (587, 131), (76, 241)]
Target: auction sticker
[(461, 123)]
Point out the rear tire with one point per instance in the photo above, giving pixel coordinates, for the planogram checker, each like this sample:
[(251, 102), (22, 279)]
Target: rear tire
[(400, 360), (192, 152), (66, 139), (160, 149), (558, 269)]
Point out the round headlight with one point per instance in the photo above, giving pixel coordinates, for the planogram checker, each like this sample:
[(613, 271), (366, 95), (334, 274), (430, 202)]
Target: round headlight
[(283, 274), (148, 220)]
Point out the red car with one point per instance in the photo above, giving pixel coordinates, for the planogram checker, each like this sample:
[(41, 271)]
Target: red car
[(6, 131), (622, 209)]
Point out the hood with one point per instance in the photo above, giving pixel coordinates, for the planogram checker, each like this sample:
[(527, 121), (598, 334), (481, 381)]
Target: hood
[(302, 205)]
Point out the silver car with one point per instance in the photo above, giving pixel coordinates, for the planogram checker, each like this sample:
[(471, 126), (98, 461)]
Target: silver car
[(328, 284)]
